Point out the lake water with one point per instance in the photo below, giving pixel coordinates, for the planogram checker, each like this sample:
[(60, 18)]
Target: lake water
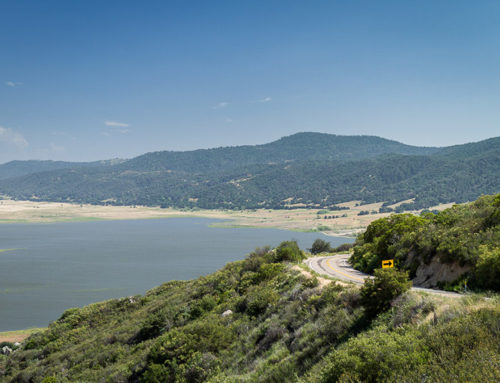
[(62, 265)]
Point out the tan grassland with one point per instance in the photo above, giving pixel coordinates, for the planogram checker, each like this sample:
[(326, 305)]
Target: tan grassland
[(298, 219)]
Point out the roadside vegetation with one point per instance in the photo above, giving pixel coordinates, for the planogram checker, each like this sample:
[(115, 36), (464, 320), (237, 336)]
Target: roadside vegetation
[(321, 246), (263, 320), (465, 236)]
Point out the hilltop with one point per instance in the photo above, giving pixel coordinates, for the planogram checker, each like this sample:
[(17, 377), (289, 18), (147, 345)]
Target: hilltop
[(295, 148)]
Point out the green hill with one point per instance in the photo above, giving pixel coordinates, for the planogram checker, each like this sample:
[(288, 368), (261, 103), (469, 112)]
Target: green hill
[(311, 169), (297, 147), (263, 320)]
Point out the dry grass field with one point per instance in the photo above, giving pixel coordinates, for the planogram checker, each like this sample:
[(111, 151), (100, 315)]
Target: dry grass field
[(18, 335)]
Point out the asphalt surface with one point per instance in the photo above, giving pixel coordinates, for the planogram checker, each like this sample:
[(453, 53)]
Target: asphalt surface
[(338, 266)]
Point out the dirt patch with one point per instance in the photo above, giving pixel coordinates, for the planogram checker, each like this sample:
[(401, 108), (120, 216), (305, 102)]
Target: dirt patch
[(13, 338), (323, 282), (430, 275), (18, 336)]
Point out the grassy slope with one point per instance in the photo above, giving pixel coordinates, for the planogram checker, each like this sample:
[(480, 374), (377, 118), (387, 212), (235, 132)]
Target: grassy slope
[(284, 328)]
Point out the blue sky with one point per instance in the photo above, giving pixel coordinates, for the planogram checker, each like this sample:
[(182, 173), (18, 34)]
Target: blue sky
[(88, 80)]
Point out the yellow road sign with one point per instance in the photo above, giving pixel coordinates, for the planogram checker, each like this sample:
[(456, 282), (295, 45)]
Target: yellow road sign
[(388, 263)]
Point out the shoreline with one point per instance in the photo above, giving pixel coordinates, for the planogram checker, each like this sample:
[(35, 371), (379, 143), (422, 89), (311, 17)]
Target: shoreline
[(344, 223)]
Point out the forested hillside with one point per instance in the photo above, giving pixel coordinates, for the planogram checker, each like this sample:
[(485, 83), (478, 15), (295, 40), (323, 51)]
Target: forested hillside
[(310, 169), (264, 320), (298, 147), (466, 237)]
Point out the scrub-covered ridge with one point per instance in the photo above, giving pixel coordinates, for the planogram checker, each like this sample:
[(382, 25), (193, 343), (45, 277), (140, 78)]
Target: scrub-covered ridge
[(264, 319)]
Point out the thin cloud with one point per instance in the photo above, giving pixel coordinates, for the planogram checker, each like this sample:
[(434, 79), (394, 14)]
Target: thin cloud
[(221, 105), (13, 84), (116, 124), (10, 136), (267, 99)]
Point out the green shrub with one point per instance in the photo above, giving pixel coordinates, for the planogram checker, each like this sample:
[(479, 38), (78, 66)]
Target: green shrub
[(270, 270), (200, 306), (289, 251), (378, 293), (183, 353), (487, 274), (152, 327), (320, 246), (376, 356), (343, 248), (259, 299)]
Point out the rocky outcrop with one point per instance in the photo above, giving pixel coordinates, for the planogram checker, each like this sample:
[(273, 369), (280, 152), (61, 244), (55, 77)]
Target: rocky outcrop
[(227, 313), (429, 275)]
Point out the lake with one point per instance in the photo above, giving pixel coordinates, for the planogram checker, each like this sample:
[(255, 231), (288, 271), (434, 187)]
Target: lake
[(57, 266)]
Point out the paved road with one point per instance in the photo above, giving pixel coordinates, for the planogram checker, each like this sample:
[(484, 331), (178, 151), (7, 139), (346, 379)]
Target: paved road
[(338, 266)]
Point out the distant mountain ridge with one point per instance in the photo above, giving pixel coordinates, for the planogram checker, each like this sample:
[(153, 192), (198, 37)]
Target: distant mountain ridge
[(297, 147), (310, 169), (20, 168)]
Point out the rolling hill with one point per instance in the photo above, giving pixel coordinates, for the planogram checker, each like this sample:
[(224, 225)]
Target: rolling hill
[(297, 147), (306, 169)]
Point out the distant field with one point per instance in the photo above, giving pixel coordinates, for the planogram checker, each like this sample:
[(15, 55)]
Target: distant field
[(347, 223)]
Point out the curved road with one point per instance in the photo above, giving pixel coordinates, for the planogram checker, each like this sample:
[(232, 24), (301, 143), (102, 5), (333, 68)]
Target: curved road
[(338, 266)]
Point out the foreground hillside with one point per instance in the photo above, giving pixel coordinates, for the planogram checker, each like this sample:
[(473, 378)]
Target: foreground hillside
[(264, 320), (456, 247), (307, 169)]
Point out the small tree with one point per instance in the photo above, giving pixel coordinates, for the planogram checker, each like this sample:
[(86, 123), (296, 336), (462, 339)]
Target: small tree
[(378, 293), (320, 246), (289, 251), (487, 275)]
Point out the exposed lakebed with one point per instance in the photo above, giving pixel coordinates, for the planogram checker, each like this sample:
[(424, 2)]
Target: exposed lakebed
[(52, 267)]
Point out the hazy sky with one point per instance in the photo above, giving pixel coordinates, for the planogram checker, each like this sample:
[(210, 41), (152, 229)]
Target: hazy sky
[(87, 80)]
